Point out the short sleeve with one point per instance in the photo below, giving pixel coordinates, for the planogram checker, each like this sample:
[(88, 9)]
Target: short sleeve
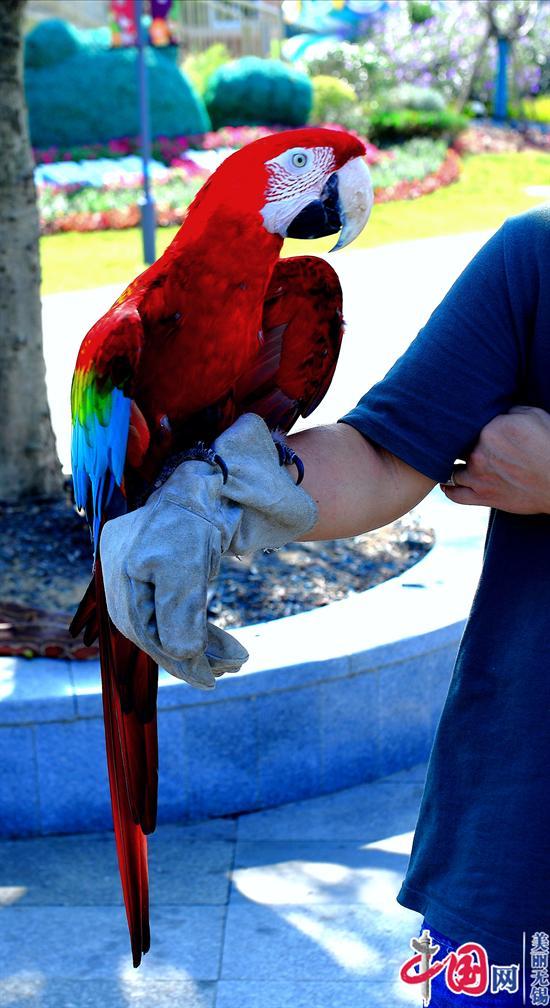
[(464, 367)]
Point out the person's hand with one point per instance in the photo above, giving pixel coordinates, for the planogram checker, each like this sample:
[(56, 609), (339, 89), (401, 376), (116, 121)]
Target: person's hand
[(509, 468), (157, 561)]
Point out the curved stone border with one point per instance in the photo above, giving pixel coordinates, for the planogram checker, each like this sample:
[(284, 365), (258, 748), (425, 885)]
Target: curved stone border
[(329, 698)]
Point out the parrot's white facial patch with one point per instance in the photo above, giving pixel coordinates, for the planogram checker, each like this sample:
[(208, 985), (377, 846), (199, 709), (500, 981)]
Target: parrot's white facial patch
[(296, 177)]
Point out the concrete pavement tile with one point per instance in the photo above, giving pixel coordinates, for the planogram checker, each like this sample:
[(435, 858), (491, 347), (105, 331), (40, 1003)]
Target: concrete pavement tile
[(172, 769), (316, 871), (289, 744), (349, 729), (227, 779), (406, 713), (74, 789), (189, 870), (19, 796), (40, 992), (84, 872), (315, 942), (91, 943), (59, 871), (37, 690), (365, 813), (392, 995), (207, 829), (311, 994)]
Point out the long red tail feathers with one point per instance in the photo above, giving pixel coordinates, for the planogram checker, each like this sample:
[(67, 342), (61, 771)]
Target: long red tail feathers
[(129, 684)]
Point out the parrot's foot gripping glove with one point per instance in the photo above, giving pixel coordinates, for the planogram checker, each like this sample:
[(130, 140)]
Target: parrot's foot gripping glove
[(157, 561)]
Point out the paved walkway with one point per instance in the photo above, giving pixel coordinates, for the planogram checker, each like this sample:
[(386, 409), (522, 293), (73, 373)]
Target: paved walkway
[(292, 907), (389, 292)]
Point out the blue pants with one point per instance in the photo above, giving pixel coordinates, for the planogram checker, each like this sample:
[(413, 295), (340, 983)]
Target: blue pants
[(442, 997)]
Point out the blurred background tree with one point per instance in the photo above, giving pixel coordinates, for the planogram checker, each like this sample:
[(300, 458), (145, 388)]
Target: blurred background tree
[(450, 47), (28, 459)]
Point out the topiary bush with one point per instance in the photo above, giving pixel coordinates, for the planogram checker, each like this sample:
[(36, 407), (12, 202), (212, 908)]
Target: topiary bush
[(80, 90), (331, 99), (254, 91)]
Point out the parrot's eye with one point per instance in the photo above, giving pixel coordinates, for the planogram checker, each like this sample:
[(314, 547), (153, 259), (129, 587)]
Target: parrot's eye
[(299, 159)]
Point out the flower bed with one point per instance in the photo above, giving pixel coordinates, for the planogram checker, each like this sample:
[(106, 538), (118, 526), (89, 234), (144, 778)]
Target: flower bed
[(116, 207), (407, 189), (486, 138), (405, 172)]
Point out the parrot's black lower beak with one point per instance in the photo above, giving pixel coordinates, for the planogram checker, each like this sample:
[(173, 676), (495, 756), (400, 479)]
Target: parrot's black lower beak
[(321, 217)]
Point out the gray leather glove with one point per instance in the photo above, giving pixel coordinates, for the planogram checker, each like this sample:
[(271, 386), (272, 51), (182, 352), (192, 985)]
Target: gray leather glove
[(157, 561)]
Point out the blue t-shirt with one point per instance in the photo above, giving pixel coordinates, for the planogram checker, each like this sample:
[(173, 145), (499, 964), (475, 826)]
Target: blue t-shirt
[(479, 868)]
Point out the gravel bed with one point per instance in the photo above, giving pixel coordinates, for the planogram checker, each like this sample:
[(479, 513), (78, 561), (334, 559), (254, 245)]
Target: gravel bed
[(304, 576), (45, 562)]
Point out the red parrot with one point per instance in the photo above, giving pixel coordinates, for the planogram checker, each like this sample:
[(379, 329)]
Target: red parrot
[(217, 327)]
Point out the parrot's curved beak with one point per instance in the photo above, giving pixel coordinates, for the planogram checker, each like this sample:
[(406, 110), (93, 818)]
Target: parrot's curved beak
[(344, 205), (356, 199)]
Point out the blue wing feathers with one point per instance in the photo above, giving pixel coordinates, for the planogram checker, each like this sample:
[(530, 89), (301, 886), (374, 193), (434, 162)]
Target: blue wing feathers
[(98, 455)]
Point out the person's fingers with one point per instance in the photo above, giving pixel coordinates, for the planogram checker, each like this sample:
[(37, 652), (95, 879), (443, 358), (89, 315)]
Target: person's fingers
[(462, 495), (458, 476), (461, 474), (521, 409)]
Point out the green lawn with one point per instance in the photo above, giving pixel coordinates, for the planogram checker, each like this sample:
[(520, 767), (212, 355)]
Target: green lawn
[(491, 188)]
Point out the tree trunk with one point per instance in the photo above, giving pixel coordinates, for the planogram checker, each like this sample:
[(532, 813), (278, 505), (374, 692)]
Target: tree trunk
[(28, 460), (470, 75)]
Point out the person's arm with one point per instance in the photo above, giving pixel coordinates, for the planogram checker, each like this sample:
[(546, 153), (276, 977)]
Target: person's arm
[(356, 485)]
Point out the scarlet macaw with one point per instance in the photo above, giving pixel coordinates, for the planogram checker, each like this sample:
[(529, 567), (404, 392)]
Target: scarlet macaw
[(218, 326)]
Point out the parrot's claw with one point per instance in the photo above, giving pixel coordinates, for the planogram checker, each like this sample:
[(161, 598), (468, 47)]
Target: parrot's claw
[(287, 456), (202, 453), (199, 452), (217, 460)]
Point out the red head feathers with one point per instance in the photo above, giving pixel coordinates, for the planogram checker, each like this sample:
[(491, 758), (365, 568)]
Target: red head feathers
[(300, 183)]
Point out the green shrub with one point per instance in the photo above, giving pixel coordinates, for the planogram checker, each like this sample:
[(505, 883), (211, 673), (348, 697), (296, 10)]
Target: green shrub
[(331, 99), (420, 11), (410, 96), (259, 92), (535, 109), (200, 66), (388, 126), (81, 91)]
